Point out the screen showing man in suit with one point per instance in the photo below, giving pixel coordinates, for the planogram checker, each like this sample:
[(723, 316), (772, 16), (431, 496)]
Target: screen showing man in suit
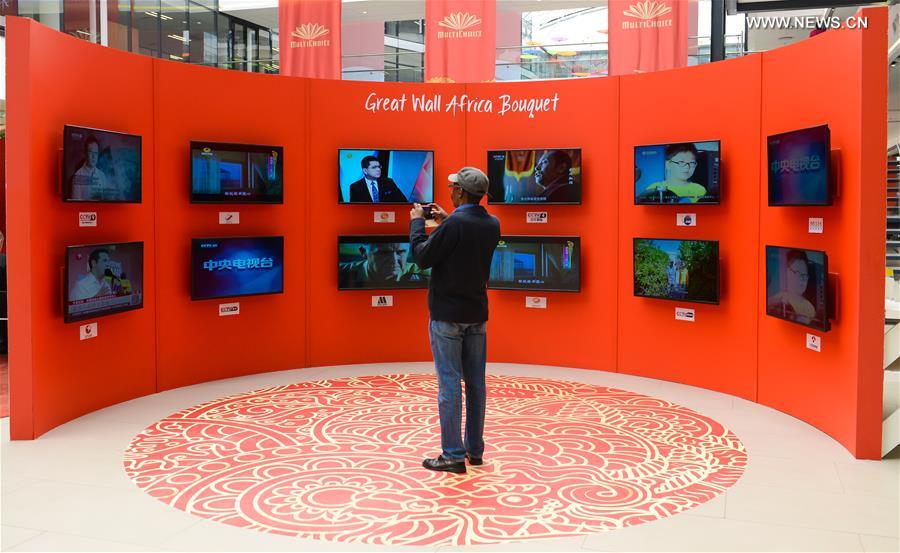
[(386, 176)]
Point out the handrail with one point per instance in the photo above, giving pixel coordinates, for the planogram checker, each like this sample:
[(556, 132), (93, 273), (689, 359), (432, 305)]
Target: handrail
[(596, 59)]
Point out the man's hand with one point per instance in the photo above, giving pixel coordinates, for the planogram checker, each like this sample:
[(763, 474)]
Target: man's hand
[(416, 212), (438, 213)]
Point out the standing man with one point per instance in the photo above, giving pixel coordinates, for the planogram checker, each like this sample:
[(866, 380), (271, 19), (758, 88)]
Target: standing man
[(459, 252)]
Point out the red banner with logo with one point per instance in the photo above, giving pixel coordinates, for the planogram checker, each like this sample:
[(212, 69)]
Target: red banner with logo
[(460, 40), (647, 35), (310, 38)]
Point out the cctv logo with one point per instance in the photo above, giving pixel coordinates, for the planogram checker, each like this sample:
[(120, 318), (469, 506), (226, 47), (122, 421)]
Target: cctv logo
[(87, 219), (226, 309)]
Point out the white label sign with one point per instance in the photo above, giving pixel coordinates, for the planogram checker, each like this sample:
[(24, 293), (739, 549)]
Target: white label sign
[(816, 225), (686, 220), (536, 302), (226, 309), (382, 301), (229, 217), (536, 217), (385, 216), (814, 342), (684, 314), (87, 219), (88, 331)]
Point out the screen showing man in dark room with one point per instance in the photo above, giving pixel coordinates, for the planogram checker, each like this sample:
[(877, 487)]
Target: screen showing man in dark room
[(378, 263), (535, 176)]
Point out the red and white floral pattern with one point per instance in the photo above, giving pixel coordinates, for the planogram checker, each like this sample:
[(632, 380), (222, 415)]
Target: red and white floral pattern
[(341, 460)]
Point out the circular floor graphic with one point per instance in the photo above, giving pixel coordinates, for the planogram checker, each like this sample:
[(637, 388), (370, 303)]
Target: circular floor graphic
[(341, 460)]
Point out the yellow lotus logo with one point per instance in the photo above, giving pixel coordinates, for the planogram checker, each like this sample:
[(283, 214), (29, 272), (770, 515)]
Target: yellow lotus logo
[(648, 9), (309, 31), (459, 21)]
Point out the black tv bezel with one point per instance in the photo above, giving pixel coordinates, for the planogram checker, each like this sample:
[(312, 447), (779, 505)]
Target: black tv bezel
[(680, 205), (534, 238), (241, 201), (67, 186), (827, 322), (495, 202), (194, 296), (67, 318), (718, 299), (382, 238), (830, 192), (433, 170)]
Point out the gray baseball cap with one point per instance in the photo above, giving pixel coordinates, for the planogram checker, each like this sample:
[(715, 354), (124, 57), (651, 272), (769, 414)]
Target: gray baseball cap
[(472, 180)]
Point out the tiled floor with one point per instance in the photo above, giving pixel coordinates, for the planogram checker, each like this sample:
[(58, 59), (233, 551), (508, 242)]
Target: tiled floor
[(802, 491)]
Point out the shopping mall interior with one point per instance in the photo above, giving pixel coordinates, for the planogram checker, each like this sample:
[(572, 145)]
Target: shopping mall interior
[(688, 322)]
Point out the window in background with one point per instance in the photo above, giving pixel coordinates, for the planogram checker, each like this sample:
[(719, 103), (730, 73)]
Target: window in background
[(265, 51), (80, 19), (239, 46), (223, 30), (251, 50), (46, 12), (174, 25), (146, 21), (118, 24), (203, 41)]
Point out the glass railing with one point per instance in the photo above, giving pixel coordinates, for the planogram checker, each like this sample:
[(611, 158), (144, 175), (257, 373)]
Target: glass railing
[(552, 61), (514, 63), (530, 61)]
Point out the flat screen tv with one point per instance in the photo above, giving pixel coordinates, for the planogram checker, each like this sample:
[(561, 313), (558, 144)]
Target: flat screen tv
[(100, 166), (544, 263), (378, 262), (233, 267), (385, 176), (543, 176), (678, 173), (797, 286), (236, 173), (681, 270), (102, 279), (799, 167)]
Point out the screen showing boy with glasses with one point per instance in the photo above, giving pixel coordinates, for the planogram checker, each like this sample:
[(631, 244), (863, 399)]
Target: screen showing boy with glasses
[(686, 172)]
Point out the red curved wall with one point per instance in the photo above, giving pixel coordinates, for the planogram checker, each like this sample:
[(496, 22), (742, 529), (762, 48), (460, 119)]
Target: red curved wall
[(733, 348)]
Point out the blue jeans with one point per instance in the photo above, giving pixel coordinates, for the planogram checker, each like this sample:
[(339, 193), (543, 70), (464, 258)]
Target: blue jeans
[(460, 353)]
